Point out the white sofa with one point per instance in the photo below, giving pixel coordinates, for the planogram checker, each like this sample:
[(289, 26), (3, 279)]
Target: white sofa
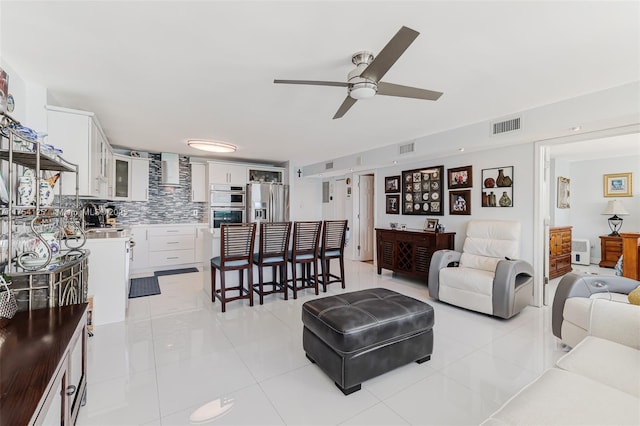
[(576, 300), (597, 383)]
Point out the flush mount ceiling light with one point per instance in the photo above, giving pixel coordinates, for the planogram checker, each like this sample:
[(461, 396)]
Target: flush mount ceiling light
[(211, 146)]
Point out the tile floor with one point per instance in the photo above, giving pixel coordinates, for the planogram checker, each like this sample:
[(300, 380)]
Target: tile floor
[(177, 359)]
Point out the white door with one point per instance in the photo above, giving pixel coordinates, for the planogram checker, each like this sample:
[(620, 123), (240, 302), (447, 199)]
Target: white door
[(365, 218)]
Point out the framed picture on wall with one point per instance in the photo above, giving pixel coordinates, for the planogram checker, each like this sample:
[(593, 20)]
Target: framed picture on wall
[(393, 204), (460, 202), (563, 192), (392, 184), (422, 191), (618, 185), (460, 177)]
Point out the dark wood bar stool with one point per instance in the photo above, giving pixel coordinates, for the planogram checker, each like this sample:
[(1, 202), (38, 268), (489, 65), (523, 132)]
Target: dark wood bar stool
[(236, 252), (332, 247), (274, 245), (304, 252)]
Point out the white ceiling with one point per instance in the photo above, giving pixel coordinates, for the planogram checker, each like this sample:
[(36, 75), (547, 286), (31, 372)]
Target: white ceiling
[(158, 73)]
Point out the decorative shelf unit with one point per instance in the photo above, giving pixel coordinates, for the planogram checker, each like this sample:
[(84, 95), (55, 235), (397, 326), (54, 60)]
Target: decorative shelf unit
[(37, 280)]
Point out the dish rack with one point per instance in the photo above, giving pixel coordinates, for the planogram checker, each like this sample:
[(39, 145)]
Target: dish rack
[(51, 269)]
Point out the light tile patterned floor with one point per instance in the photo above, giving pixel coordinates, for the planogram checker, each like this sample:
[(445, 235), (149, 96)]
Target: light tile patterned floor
[(178, 357)]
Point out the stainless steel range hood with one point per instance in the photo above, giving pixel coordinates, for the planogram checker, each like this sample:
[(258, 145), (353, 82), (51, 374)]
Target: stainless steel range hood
[(170, 169)]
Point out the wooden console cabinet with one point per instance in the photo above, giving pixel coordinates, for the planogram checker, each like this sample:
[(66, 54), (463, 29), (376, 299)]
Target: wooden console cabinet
[(409, 252), (631, 253), (43, 366), (559, 251), (610, 251)]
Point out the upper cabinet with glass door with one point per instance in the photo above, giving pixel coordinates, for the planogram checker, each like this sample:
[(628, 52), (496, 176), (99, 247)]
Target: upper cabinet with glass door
[(130, 178), (266, 174), (84, 144)]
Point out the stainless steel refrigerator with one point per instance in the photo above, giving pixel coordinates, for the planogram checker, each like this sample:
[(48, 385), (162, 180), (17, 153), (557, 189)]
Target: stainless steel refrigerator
[(267, 202)]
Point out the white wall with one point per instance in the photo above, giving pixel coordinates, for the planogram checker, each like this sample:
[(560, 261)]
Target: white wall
[(305, 197), (588, 201), (520, 157)]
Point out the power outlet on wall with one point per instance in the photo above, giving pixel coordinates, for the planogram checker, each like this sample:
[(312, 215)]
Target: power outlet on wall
[(194, 212)]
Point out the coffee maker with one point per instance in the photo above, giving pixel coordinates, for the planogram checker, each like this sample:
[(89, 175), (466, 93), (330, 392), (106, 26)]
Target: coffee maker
[(94, 216)]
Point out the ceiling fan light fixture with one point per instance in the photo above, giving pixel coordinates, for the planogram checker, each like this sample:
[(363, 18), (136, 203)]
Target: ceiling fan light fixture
[(211, 146), (363, 90)]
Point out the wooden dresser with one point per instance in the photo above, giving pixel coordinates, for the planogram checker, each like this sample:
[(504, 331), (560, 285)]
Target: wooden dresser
[(610, 250), (409, 252), (43, 368), (559, 251)]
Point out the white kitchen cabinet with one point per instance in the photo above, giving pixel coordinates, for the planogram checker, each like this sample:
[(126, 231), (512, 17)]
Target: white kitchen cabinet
[(198, 182), (200, 240), (130, 178), (79, 135), (108, 280), (139, 179), (110, 173), (227, 173), (171, 245), (140, 252)]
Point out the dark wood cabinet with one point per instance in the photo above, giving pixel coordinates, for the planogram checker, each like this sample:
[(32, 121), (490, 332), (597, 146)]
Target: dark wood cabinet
[(43, 368), (409, 252), (610, 251), (559, 251)]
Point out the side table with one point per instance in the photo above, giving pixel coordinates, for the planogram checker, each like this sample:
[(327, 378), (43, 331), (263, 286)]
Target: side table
[(610, 250)]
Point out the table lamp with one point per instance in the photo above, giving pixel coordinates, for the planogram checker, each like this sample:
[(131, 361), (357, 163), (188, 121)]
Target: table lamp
[(615, 208)]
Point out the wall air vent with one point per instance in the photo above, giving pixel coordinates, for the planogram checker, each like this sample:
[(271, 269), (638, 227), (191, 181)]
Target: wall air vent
[(328, 166), (506, 126), (406, 148)]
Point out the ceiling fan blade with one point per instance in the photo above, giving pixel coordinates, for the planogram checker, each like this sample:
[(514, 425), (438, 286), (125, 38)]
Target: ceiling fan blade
[(313, 83), (348, 103), (390, 54), (390, 89)]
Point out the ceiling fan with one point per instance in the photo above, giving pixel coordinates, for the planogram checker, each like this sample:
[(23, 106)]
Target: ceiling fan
[(364, 81)]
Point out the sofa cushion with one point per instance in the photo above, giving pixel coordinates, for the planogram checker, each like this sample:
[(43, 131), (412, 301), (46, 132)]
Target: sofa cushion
[(560, 397), (577, 310), (606, 362)]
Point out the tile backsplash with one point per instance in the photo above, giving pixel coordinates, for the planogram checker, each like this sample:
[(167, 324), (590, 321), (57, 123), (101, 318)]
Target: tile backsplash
[(167, 204)]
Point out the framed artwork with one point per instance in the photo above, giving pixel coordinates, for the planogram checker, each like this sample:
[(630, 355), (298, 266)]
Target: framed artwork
[(422, 191), (460, 202), (618, 185), (392, 184), (497, 187), (431, 225), (563, 192), (393, 204), (460, 177)]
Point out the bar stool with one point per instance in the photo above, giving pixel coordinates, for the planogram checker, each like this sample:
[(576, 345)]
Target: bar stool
[(304, 252), (274, 245), (332, 247), (236, 251)]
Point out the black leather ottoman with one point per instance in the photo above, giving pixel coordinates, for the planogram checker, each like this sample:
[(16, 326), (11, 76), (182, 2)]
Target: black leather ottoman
[(356, 336)]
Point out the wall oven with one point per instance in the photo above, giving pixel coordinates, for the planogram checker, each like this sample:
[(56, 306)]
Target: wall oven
[(227, 196), (227, 204), (220, 215)]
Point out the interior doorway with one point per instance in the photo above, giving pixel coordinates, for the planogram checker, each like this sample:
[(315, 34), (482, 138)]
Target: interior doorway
[(544, 197)]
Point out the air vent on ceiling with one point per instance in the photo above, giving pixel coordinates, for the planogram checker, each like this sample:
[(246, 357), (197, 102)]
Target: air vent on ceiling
[(328, 166), (407, 148), (506, 126)]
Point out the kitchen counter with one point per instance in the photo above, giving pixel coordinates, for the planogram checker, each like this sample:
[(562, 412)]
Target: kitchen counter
[(108, 233)]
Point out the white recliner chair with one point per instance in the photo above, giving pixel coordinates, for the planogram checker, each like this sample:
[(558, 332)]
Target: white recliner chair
[(595, 305), (485, 277)]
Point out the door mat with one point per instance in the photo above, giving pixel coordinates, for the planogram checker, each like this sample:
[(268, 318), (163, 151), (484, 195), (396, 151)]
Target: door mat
[(175, 271), (147, 286)]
